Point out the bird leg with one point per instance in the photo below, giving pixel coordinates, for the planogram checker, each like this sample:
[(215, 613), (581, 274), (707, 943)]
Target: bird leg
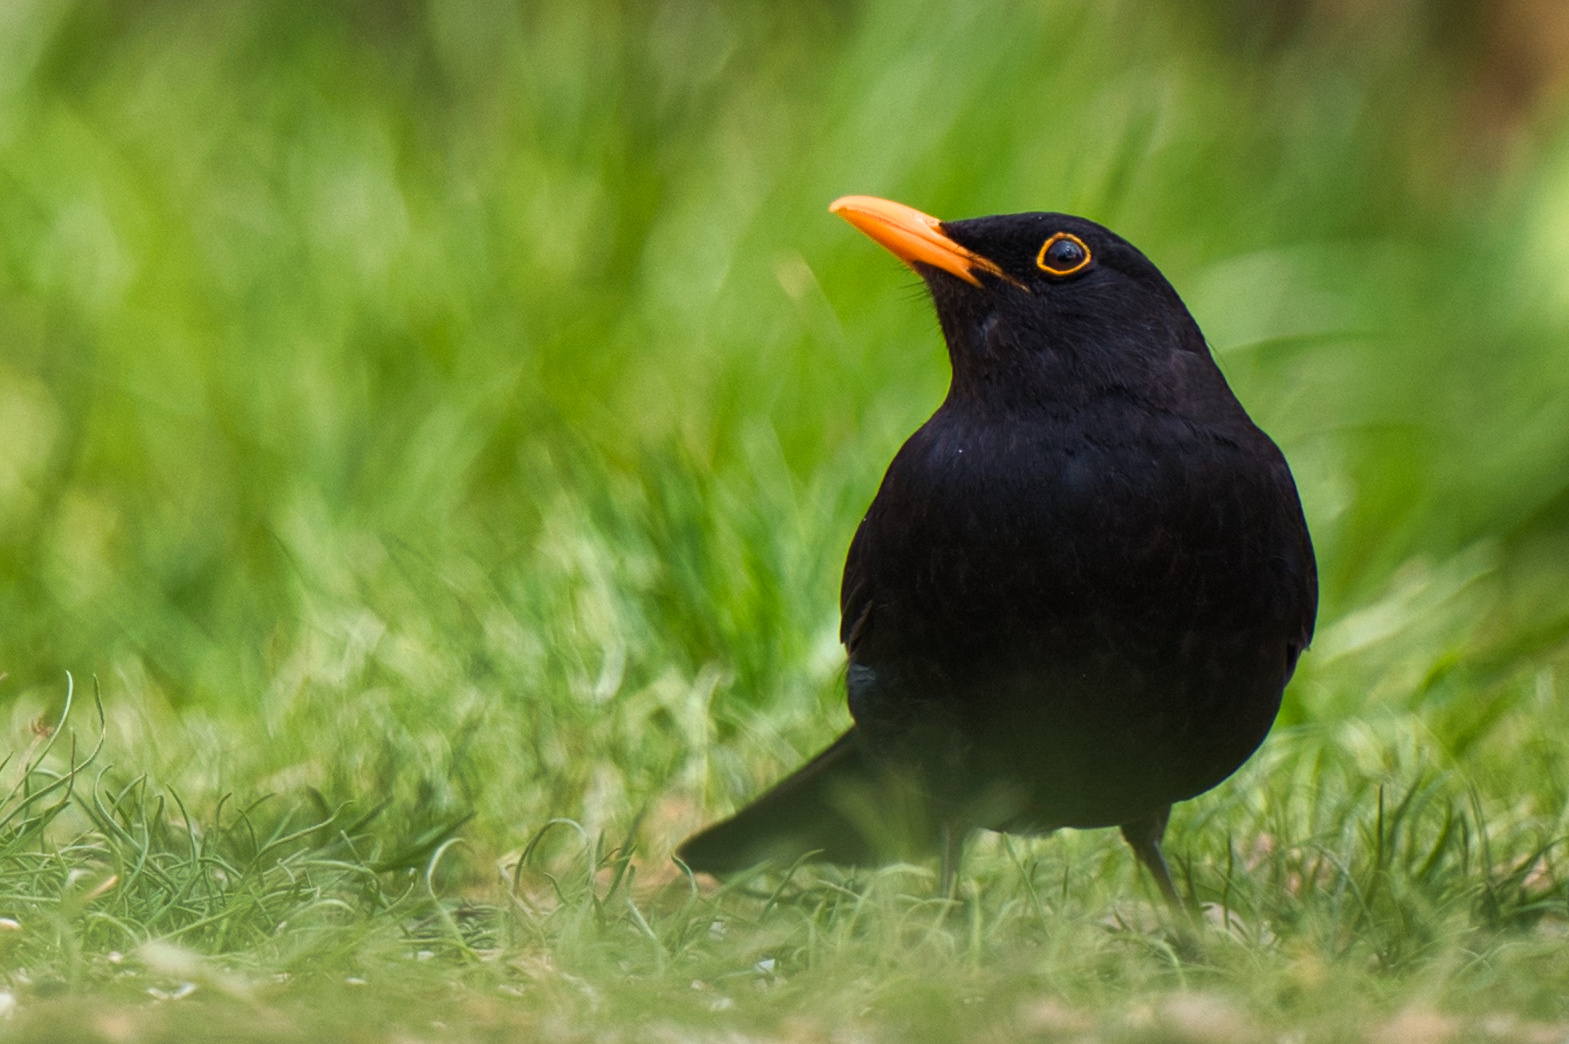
[(1143, 836), (951, 836)]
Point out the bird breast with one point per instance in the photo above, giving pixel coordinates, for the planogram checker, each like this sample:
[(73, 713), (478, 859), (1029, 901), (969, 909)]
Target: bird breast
[(1019, 525)]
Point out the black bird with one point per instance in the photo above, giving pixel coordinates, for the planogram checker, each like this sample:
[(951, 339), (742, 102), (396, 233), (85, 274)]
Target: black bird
[(1082, 586)]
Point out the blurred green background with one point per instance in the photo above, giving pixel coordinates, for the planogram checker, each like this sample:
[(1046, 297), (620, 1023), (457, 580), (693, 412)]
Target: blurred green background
[(471, 401)]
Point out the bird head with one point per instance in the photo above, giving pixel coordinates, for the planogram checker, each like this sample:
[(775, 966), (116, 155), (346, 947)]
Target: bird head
[(1045, 307)]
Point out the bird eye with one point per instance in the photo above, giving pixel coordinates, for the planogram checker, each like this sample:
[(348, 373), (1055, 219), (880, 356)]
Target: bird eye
[(1063, 255)]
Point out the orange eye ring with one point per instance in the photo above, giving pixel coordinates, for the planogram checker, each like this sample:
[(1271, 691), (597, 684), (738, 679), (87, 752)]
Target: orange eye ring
[(1078, 266)]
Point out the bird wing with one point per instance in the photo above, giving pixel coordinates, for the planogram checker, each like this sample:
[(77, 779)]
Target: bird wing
[(1307, 597), (855, 594)]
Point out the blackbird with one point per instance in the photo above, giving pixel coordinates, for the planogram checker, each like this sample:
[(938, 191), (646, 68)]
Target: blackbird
[(1080, 589)]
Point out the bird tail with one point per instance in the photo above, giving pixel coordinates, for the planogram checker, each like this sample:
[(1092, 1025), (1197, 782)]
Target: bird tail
[(839, 807)]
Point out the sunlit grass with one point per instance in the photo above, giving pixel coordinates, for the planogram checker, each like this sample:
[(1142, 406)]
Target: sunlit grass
[(1343, 880)]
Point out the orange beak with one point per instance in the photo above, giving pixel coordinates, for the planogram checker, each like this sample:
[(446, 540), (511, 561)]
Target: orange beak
[(912, 236)]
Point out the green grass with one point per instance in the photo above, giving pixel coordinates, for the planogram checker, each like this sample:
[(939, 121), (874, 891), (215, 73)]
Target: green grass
[(431, 434)]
